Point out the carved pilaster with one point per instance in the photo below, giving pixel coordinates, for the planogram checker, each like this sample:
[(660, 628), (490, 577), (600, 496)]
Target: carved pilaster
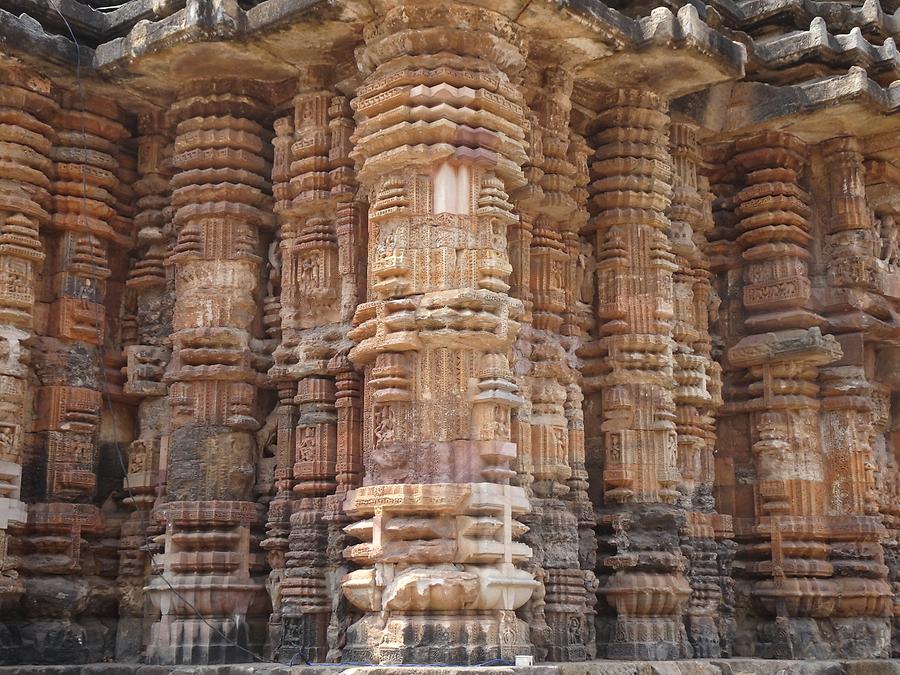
[(64, 553), (27, 141), (439, 146), (149, 297), (220, 196), (848, 417), (635, 265), (23, 203), (322, 274), (697, 392), (549, 427), (794, 584)]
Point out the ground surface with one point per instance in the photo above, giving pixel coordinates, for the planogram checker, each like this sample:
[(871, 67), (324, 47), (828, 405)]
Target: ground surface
[(692, 667)]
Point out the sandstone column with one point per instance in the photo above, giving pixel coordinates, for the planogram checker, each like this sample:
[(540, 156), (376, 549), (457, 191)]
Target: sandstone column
[(850, 413), (439, 146), (519, 236), (278, 525), (785, 550), (321, 262), (733, 454), (219, 193), (697, 392), (69, 581), (151, 290), (632, 169), (550, 383), (24, 200), (880, 269)]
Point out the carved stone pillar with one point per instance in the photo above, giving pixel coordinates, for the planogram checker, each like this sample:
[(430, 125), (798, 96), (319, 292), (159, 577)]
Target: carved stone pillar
[(24, 200), (886, 425), (697, 392), (734, 467), (879, 274), (278, 519), (556, 443), (579, 319), (68, 584), (439, 145), (520, 236), (278, 526), (319, 429), (305, 595), (849, 402), (348, 470), (210, 565), (632, 168), (150, 288), (785, 551)]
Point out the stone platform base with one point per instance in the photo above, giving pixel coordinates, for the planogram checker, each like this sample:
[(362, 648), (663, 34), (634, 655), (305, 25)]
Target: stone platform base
[(692, 667), (731, 667)]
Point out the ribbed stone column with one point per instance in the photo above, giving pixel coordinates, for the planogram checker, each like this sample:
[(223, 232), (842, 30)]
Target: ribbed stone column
[(642, 574), (439, 143), (698, 392), (210, 557), (150, 293), (550, 384), (24, 200), (70, 574), (851, 416), (786, 551), (321, 259)]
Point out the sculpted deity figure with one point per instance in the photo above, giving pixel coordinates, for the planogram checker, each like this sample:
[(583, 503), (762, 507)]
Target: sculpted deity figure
[(890, 240), (308, 272), (385, 429), (274, 258)]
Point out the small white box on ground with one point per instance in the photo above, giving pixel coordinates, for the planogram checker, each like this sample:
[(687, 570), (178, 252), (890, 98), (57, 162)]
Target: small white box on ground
[(524, 660)]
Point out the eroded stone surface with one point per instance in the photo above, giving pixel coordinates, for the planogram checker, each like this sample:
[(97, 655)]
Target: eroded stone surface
[(412, 332)]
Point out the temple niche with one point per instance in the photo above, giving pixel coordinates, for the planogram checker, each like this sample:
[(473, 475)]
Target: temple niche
[(419, 332)]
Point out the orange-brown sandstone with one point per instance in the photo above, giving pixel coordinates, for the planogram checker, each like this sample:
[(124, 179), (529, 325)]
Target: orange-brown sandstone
[(445, 332)]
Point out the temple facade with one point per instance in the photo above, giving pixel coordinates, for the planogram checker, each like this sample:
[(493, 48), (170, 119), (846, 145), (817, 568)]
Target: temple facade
[(413, 331)]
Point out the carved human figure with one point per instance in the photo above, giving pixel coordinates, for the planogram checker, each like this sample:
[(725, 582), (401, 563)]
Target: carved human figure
[(890, 240)]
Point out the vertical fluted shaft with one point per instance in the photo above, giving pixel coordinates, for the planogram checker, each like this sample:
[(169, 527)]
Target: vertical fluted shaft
[(850, 412), (697, 392), (24, 201), (150, 290), (553, 461), (220, 196), (63, 554), (439, 148), (632, 171), (786, 551), (321, 261)]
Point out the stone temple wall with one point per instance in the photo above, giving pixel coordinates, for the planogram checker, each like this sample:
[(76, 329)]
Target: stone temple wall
[(401, 331)]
